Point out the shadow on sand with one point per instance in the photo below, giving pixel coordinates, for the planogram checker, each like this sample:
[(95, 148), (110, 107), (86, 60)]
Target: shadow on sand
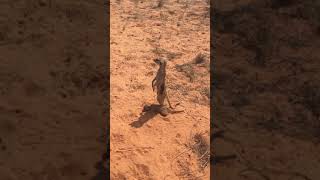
[(148, 112)]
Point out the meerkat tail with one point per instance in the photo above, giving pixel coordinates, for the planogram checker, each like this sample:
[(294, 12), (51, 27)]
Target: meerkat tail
[(168, 100), (172, 111)]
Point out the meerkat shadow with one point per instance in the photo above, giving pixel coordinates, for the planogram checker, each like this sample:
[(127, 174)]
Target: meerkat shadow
[(148, 112)]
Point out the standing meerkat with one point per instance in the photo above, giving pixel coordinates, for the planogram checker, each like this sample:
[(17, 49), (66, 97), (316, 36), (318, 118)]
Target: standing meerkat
[(159, 84)]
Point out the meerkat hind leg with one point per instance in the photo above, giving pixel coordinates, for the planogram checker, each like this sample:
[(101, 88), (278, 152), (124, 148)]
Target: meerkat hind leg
[(163, 111)]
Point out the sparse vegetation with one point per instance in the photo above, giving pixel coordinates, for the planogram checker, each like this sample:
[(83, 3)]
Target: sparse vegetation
[(188, 70), (201, 147), (205, 92), (200, 59)]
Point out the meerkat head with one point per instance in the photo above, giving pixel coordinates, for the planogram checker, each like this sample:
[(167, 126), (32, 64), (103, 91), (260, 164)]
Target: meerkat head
[(160, 61)]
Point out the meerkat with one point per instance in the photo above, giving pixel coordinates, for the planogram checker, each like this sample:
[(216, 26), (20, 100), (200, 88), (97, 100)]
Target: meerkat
[(159, 83)]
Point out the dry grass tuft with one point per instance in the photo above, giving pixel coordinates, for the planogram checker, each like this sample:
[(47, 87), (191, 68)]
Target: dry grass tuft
[(199, 59), (190, 68), (200, 146), (187, 69)]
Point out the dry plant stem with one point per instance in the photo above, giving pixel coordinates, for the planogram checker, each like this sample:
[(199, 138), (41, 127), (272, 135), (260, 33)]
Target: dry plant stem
[(204, 154)]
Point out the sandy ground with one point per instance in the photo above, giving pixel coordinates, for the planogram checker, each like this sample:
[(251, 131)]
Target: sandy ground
[(52, 80), (150, 146), (267, 90)]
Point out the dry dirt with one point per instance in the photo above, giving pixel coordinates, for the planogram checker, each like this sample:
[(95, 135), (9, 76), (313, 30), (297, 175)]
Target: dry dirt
[(266, 98), (149, 146)]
